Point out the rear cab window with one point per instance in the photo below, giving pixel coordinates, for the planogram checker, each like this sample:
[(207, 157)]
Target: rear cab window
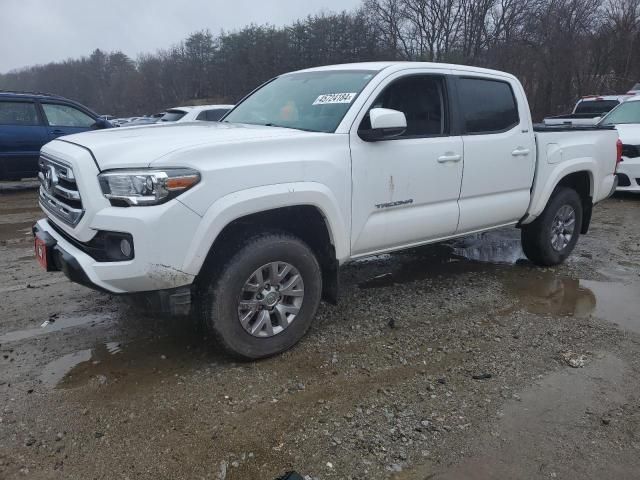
[(487, 105), (595, 106), (173, 115), (18, 113)]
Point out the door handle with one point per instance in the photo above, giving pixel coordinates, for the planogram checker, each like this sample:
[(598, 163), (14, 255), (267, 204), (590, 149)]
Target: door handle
[(57, 132), (449, 157), (520, 152)]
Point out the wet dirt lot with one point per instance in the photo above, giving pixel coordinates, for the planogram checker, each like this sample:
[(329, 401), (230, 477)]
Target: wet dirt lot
[(456, 361)]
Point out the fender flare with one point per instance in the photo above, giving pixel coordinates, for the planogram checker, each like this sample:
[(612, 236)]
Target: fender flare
[(542, 191), (259, 199)]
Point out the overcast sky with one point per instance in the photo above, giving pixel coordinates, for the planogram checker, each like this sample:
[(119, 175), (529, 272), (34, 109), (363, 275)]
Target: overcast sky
[(42, 31)]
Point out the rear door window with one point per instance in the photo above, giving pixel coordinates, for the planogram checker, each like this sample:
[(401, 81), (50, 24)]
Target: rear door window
[(488, 106), (18, 113), (59, 115), (216, 114), (212, 115)]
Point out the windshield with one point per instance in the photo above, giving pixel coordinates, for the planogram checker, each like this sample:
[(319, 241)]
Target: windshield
[(595, 106), (312, 101), (627, 112)]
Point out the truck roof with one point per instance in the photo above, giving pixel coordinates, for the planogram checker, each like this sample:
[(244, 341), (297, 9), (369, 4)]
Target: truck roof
[(395, 66)]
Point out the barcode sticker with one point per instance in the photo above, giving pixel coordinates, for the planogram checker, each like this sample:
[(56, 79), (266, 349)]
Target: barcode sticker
[(335, 98)]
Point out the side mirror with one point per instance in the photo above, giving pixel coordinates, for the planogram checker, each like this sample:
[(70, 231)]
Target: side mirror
[(101, 123), (596, 120), (385, 124)]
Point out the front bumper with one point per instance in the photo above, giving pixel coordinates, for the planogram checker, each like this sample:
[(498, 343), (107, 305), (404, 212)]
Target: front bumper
[(59, 260), (174, 301), (629, 175)]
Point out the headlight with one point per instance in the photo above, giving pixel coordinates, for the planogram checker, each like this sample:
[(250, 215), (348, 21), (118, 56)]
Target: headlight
[(146, 187)]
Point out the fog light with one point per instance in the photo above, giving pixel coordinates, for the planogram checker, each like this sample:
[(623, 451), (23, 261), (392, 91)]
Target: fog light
[(125, 247)]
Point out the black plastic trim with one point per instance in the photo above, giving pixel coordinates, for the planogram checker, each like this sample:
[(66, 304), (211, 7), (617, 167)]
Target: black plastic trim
[(99, 246)]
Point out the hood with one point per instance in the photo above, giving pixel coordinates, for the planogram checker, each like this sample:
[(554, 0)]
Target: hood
[(136, 147), (629, 133)]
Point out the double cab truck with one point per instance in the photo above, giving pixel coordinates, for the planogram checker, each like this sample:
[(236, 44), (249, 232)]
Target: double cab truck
[(245, 223)]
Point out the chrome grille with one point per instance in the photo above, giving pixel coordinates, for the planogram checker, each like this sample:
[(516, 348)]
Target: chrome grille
[(59, 193)]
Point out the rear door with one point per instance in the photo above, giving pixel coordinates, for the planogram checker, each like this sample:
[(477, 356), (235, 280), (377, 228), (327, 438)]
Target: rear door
[(63, 119), (405, 190), (21, 137), (499, 152)]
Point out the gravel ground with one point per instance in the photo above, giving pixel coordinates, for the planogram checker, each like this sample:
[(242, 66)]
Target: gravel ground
[(456, 361)]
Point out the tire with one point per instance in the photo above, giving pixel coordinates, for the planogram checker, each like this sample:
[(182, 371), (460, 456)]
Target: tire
[(540, 241), (237, 280)]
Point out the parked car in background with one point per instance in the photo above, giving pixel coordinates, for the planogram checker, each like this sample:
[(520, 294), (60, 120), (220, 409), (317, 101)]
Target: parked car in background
[(29, 120), (626, 119), (207, 113), (254, 215), (141, 121), (588, 111), (635, 90)]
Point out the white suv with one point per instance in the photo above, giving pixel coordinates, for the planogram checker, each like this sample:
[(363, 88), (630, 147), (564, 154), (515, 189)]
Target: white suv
[(207, 113), (626, 119)]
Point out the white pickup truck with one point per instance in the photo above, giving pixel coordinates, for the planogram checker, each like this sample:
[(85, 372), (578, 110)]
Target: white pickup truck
[(246, 222), (588, 110)]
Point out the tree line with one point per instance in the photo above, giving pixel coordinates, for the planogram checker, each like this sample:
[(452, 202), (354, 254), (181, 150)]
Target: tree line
[(560, 50)]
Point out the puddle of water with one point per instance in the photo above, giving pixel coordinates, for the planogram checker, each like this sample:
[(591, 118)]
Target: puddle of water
[(617, 303), (57, 325), (55, 371), (499, 246), (499, 254), (113, 347), (136, 360), (547, 293), (480, 252)]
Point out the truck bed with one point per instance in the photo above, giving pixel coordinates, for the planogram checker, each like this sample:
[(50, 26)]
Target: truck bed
[(542, 127)]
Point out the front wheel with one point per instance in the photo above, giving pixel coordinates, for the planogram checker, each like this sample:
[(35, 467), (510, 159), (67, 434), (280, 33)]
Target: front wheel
[(551, 237), (264, 299)]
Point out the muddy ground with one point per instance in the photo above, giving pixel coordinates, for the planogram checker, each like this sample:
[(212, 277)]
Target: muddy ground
[(457, 361)]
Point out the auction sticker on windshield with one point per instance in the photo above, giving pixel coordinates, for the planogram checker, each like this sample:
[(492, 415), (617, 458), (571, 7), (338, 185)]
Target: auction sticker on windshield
[(335, 98)]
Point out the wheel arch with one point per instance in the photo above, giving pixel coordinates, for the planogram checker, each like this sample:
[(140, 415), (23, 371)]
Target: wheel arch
[(582, 182), (578, 175), (309, 214)]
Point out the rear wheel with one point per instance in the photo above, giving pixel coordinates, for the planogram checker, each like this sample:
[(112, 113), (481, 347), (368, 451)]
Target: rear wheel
[(551, 237), (264, 299)]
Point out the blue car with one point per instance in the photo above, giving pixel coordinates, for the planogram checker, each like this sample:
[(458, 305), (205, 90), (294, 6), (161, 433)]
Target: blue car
[(29, 120)]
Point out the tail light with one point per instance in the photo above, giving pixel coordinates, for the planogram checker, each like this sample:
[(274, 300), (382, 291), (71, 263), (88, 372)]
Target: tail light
[(618, 153)]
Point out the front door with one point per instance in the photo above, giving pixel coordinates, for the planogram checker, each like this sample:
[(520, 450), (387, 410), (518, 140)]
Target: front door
[(66, 120), (405, 190)]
